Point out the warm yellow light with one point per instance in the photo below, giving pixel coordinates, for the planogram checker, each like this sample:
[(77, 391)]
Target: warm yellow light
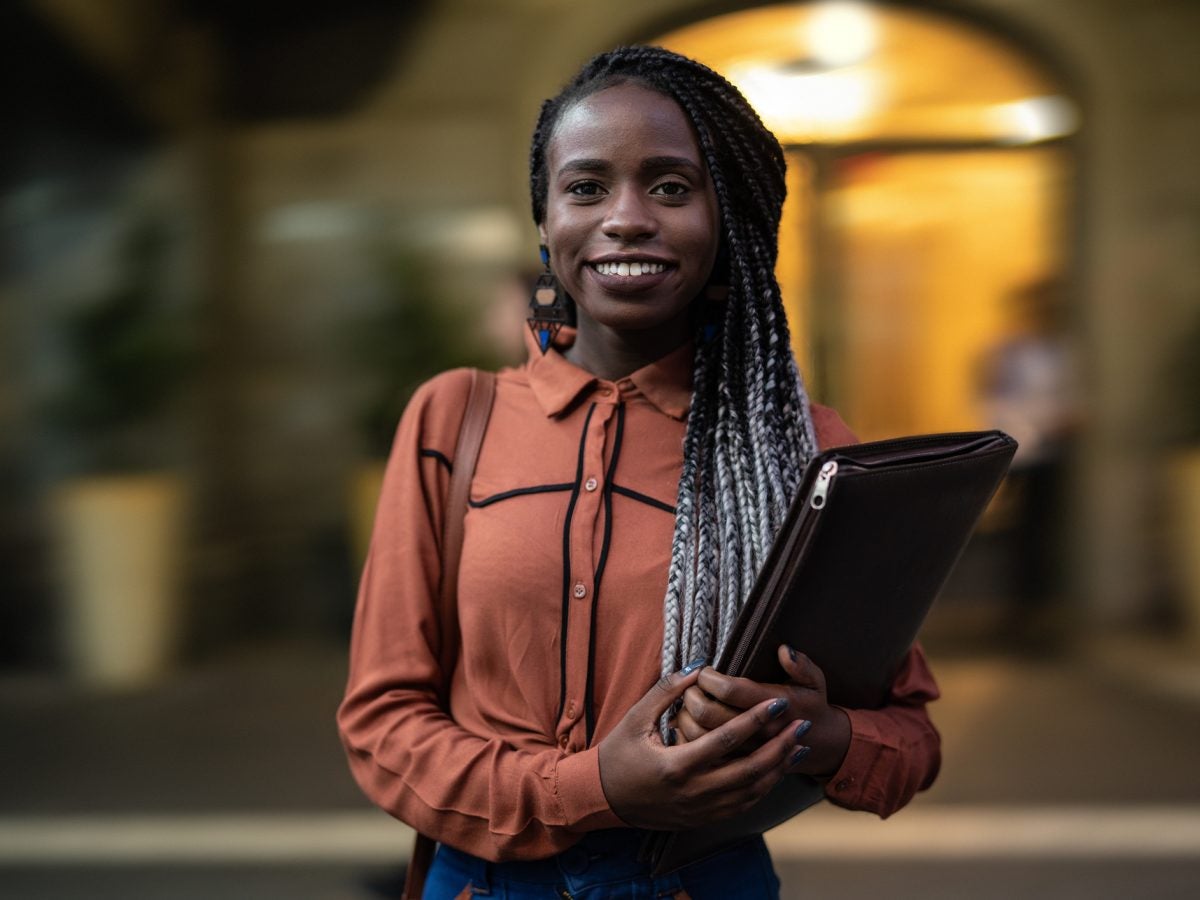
[(1035, 119), (841, 32), (808, 104)]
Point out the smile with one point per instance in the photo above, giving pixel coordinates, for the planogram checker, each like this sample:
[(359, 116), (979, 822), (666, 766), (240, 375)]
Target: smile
[(629, 269)]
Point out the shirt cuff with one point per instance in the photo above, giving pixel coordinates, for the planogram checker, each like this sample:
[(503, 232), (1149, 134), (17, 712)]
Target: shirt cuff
[(579, 791), (848, 786)]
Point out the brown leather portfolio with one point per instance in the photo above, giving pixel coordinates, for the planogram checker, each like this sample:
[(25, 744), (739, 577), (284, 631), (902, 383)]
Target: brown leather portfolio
[(873, 533)]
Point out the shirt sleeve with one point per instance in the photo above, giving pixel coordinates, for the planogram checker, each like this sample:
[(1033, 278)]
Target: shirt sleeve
[(474, 792), (895, 751)]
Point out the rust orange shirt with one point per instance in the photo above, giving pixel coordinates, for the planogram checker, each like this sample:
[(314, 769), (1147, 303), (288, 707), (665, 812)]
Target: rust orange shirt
[(560, 597)]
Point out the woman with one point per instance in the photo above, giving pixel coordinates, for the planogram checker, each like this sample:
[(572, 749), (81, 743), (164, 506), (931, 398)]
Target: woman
[(648, 453)]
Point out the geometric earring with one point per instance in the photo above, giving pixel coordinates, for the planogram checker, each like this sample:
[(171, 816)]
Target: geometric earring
[(548, 309)]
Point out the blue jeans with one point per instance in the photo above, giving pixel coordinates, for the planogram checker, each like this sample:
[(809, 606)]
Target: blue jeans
[(604, 866)]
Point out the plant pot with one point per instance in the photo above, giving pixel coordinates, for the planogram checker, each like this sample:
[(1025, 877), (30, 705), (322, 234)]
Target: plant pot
[(121, 547), (1185, 535)]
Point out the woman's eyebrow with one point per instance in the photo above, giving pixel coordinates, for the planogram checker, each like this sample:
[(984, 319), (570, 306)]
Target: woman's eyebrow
[(649, 164), (585, 165), (654, 163)]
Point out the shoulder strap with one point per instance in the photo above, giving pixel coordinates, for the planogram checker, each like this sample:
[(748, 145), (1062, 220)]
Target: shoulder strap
[(466, 455)]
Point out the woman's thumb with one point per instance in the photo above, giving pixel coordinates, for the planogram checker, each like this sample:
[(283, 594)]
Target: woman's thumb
[(668, 689)]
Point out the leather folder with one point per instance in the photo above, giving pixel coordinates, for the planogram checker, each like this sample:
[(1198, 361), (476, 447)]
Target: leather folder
[(872, 535)]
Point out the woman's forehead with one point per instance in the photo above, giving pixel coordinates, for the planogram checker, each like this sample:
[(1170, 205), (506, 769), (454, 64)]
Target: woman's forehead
[(626, 119)]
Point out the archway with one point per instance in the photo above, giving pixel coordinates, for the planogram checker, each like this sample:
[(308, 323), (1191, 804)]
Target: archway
[(930, 182)]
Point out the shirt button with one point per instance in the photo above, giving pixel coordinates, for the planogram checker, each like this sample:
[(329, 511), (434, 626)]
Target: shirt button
[(563, 741), (605, 392), (580, 590), (844, 784), (571, 710), (590, 484)]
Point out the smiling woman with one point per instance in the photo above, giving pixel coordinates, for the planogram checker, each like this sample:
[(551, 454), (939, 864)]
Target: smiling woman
[(632, 477), (631, 225)]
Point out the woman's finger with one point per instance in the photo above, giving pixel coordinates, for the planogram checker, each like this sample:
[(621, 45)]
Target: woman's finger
[(713, 746), (756, 773), (663, 694), (686, 728), (800, 669), (705, 711), (738, 693)]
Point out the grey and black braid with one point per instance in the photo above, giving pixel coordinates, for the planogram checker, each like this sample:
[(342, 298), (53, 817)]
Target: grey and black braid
[(749, 431)]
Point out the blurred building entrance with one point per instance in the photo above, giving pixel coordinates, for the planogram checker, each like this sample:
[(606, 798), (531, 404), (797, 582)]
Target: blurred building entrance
[(930, 170)]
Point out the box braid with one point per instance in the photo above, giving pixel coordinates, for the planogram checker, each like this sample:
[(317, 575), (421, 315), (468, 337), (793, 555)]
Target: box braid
[(749, 431)]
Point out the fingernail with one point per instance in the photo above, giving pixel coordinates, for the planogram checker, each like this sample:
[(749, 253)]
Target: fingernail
[(676, 706), (792, 654), (778, 705), (692, 666), (670, 737), (802, 729), (801, 754)]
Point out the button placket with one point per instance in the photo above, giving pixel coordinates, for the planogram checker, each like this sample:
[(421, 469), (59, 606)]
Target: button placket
[(585, 523)]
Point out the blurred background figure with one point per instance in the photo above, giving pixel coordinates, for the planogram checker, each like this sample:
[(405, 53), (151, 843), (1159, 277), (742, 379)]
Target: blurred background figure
[(1029, 387)]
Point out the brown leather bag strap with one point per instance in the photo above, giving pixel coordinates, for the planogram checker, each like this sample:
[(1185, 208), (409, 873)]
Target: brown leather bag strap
[(466, 455)]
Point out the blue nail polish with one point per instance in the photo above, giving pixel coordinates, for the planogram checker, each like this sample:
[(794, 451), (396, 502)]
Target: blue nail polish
[(802, 729), (800, 755), (792, 654), (671, 737), (692, 666), (775, 710)]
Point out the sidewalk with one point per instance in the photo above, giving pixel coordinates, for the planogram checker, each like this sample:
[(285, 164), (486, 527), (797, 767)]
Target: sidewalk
[(228, 778)]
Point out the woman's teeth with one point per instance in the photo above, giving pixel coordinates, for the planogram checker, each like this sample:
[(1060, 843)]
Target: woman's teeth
[(629, 269)]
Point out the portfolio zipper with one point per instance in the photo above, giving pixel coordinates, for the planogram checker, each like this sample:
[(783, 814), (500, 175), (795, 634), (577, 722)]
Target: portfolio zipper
[(817, 498), (820, 490)]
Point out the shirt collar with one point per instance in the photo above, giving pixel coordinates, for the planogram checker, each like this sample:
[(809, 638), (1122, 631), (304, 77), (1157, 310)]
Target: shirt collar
[(557, 382)]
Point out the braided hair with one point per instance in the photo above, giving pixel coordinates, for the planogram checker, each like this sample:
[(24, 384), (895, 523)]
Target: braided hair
[(749, 431)]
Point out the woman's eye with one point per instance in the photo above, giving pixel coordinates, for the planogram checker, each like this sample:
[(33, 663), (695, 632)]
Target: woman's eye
[(584, 189), (671, 189)]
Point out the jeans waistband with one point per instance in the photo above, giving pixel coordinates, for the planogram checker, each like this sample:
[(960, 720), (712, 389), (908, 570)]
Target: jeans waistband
[(612, 854)]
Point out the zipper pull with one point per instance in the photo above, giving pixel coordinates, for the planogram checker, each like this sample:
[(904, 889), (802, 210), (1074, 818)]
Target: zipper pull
[(820, 490)]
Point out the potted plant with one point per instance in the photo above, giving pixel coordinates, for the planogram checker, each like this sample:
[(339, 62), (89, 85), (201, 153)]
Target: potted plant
[(119, 511), (411, 332)]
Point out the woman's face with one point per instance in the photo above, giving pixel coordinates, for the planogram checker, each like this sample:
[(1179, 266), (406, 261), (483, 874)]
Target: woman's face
[(631, 215)]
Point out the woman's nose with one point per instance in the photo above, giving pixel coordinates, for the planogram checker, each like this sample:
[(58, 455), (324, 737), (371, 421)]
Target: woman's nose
[(629, 216)]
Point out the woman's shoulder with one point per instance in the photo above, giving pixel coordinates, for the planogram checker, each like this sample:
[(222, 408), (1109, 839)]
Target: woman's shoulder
[(437, 405), (831, 430), (434, 411)]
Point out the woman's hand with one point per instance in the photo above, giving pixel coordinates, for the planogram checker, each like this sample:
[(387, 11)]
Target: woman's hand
[(716, 699), (651, 785)]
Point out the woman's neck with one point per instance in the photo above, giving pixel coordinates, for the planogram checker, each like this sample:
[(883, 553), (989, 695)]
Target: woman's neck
[(612, 354)]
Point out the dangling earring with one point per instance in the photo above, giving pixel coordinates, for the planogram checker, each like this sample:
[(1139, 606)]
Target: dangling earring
[(548, 310)]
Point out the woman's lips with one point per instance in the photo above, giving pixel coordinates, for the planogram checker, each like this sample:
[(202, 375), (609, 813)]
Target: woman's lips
[(619, 277)]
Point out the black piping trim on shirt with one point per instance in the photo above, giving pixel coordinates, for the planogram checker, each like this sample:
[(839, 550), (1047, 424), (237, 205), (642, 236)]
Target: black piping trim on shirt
[(589, 706), (642, 498), (566, 590), (440, 457), (520, 492)]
